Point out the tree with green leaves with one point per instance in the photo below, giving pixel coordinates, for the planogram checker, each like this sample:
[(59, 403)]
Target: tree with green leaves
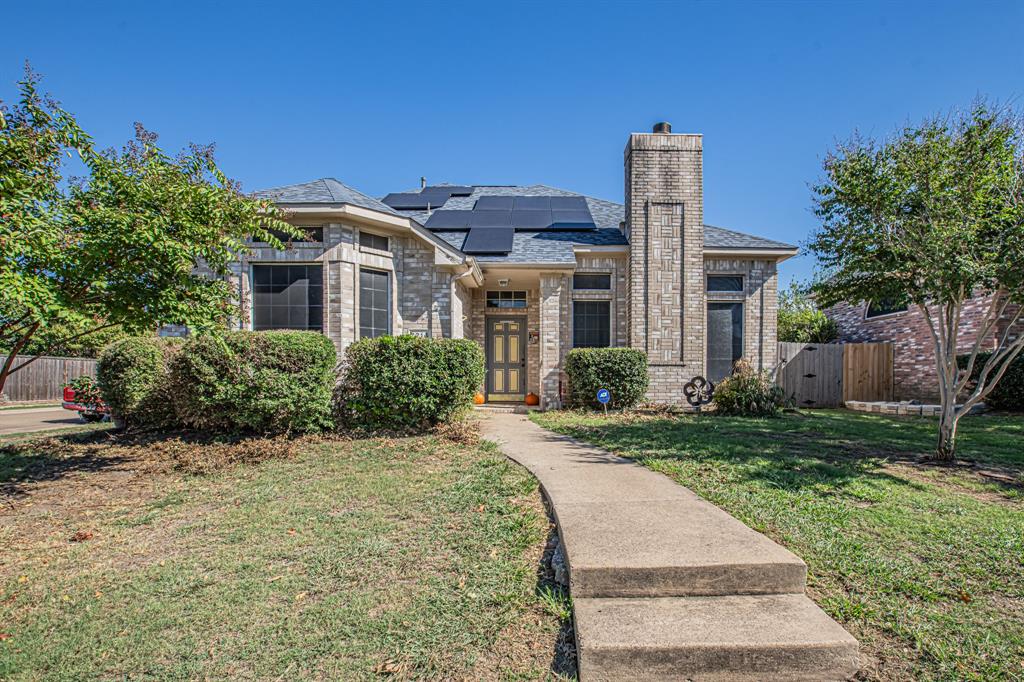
[(933, 215), (800, 319), (141, 240)]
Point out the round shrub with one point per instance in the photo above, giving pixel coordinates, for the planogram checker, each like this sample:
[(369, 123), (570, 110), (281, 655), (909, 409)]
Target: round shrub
[(1009, 392), (403, 382), (623, 371), (748, 393), (265, 382), (134, 378)]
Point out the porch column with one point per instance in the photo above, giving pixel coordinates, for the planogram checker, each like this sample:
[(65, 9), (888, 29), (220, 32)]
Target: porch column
[(552, 305)]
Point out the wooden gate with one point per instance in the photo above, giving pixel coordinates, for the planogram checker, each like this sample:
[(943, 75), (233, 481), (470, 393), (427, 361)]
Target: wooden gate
[(829, 374), (868, 371), (811, 374), (44, 379)]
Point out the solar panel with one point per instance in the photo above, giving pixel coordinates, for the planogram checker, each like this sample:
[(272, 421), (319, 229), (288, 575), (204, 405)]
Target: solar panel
[(569, 204), (493, 203), (536, 220), (572, 220), (532, 203), (490, 218), (428, 197), (449, 220), (452, 190), (489, 240), (404, 201)]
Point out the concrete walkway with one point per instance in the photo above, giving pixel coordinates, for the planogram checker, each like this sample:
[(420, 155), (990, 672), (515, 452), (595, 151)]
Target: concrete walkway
[(666, 586)]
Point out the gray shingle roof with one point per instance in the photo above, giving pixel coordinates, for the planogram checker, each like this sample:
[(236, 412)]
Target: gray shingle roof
[(721, 238), (323, 191), (527, 247)]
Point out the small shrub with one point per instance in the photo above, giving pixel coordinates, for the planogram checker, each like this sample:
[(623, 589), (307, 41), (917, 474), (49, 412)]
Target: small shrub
[(265, 382), (623, 371), (748, 393), (408, 382), (134, 379), (1009, 392)]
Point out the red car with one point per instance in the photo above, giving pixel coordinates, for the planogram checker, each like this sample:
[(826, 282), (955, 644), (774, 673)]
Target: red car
[(89, 412)]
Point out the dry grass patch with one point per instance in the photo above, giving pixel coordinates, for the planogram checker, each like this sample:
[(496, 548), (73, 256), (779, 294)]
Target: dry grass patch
[(354, 558)]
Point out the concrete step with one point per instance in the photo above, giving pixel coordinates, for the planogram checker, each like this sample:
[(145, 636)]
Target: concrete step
[(674, 547), (766, 637)]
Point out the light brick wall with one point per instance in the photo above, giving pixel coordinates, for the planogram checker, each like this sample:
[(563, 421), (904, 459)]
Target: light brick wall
[(665, 224), (554, 310)]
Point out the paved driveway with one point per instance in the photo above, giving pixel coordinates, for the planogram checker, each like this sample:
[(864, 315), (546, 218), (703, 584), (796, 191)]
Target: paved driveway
[(36, 419)]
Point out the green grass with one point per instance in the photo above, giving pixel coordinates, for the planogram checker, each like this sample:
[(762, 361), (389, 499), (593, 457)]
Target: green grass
[(404, 558), (924, 565)]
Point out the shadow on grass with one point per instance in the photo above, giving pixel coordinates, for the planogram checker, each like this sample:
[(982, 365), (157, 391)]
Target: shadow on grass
[(49, 458)]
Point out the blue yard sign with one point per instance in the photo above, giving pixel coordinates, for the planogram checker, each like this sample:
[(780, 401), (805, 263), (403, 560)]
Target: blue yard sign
[(604, 396)]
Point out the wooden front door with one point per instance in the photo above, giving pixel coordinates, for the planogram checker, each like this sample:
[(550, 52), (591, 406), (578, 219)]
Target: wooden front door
[(506, 358)]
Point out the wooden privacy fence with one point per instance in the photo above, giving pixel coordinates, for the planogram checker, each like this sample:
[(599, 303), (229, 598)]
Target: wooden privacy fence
[(44, 379), (829, 374)]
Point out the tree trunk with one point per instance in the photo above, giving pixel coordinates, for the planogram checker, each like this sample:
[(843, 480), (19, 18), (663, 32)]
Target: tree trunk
[(945, 450), (6, 369)]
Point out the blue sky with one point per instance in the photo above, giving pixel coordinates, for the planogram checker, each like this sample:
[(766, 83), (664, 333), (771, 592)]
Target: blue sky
[(378, 94)]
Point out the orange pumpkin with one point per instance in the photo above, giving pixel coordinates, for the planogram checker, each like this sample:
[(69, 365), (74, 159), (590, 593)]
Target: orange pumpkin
[(478, 399), (532, 399)]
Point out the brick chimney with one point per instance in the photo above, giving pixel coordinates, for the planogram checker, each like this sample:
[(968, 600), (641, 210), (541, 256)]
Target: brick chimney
[(665, 226)]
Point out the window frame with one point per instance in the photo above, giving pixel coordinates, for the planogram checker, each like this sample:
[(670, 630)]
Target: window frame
[(389, 331), (514, 299), (317, 230), (591, 274), (254, 292), (374, 235), (897, 310), (721, 276), (608, 328)]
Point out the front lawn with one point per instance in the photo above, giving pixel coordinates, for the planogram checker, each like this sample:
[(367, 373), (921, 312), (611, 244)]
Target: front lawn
[(924, 565), (363, 559)]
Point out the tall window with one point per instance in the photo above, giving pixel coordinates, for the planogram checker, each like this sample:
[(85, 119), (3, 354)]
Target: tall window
[(374, 303), (287, 297), (591, 324), (725, 338)]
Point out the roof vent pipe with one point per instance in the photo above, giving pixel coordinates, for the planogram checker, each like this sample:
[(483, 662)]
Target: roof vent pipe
[(423, 182), (663, 127)]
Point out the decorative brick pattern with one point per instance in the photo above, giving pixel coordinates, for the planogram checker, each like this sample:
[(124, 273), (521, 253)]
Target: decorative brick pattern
[(665, 226), (915, 375)]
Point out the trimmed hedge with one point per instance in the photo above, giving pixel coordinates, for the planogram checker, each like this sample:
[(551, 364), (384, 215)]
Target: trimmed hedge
[(267, 382), (748, 393), (1009, 392), (403, 382), (623, 371), (134, 378)]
